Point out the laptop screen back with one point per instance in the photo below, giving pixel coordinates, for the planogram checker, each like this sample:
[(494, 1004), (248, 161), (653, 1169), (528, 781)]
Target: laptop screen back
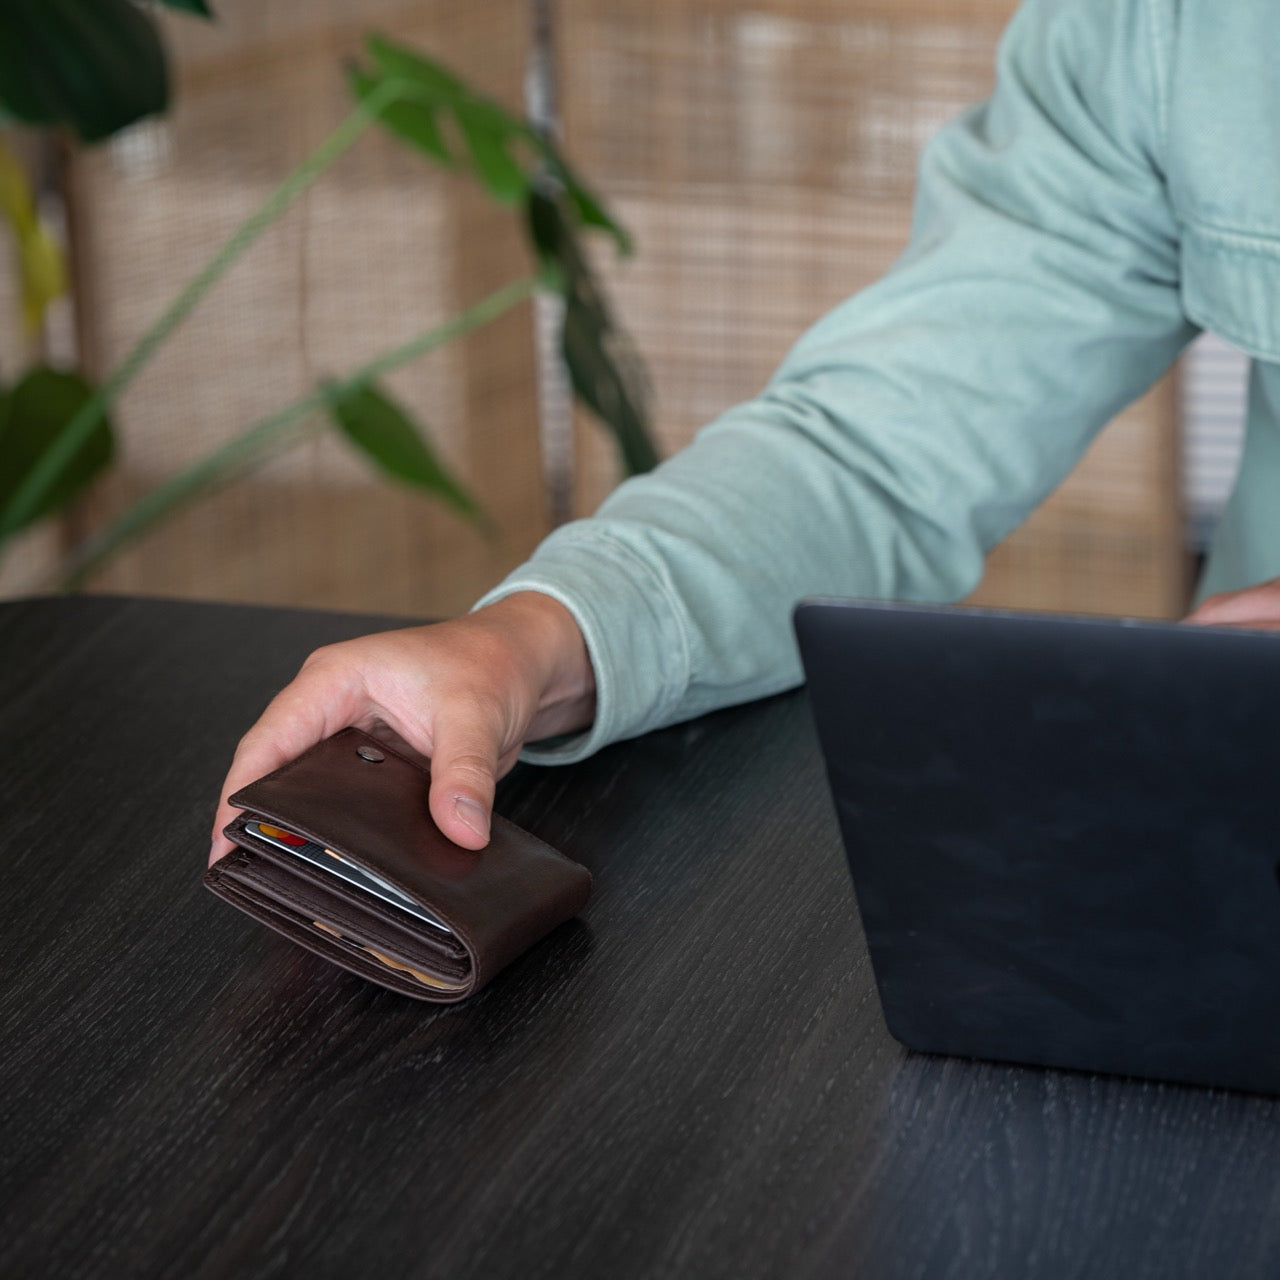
[(1064, 833)]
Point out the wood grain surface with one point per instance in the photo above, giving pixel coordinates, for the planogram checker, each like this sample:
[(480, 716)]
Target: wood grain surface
[(691, 1080)]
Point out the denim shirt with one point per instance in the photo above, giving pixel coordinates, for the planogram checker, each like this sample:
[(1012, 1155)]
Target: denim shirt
[(1118, 193)]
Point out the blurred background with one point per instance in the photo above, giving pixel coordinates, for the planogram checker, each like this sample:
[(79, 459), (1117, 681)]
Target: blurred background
[(762, 156)]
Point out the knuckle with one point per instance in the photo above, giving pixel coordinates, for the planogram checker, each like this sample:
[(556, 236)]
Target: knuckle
[(320, 657), (471, 764), (249, 740)]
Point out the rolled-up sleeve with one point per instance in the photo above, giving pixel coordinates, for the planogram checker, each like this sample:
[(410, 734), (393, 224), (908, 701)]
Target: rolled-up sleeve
[(914, 426)]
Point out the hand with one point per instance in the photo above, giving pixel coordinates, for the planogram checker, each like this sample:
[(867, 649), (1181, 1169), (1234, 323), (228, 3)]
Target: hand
[(468, 693), (1256, 607)]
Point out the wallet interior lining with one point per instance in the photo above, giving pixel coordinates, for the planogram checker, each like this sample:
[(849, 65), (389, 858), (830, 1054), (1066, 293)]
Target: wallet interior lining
[(296, 872), (390, 962), (343, 953), (246, 839), (372, 941)]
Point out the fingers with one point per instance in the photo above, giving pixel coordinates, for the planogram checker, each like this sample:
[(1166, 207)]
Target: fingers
[(464, 769), (320, 701), (1257, 606), (466, 693)]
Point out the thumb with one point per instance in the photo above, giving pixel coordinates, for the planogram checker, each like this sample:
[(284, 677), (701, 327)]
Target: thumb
[(464, 765)]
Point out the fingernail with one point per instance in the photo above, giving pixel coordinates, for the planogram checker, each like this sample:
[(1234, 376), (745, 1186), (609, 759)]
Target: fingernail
[(472, 813)]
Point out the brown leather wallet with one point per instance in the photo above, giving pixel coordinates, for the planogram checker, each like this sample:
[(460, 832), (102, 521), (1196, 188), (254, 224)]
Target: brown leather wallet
[(370, 882)]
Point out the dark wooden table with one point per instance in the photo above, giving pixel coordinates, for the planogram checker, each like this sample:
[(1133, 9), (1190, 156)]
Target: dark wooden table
[(693, 1080)]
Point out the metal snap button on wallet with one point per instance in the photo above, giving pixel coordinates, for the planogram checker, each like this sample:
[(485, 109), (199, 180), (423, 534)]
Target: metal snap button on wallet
[(337, 851)]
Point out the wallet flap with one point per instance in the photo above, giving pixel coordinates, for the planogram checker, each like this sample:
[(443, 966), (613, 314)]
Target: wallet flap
[(366, 799)]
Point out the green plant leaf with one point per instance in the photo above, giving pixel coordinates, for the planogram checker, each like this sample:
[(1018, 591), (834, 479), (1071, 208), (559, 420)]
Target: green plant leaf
[(273, 434), (31, 417), (384, 433), (604, 368), (432, 96), (94, 67), (415, 121), (43, 269), (431, 79), (547, 231), (41, 264), (584, 203), (198, 7), (487, 140), (592, 213), (493, 136), (606, 386)]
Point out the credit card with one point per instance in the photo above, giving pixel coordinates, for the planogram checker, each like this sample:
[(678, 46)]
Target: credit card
[(390, 962), (335, 865)]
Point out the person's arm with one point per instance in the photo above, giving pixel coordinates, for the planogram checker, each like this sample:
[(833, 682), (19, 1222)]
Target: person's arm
[(916, 425), (467, 693), (903, 436)]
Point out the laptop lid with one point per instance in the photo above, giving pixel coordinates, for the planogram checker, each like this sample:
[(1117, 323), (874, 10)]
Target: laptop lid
[(1063, 833)]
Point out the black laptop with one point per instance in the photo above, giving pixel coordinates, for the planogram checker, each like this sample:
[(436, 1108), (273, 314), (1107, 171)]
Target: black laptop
[(1064, 833)]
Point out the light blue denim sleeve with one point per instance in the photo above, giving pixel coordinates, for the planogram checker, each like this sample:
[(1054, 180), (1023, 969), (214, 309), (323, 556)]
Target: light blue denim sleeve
[(919, 422)]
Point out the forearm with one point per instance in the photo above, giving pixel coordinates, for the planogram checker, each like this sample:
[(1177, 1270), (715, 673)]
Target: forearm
[(538, 639), (916, 425)]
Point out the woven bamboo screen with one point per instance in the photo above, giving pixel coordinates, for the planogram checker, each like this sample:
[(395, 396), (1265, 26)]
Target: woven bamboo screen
[(382, 247), (764, 157)]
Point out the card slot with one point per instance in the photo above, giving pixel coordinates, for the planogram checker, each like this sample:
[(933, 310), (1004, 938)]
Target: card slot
[(428, 980), (259, 874), (335, 950), (238, 831), (306, 872), (371, 921)]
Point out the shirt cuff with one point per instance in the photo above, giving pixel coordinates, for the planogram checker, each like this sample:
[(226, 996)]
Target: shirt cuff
[(632, 622)]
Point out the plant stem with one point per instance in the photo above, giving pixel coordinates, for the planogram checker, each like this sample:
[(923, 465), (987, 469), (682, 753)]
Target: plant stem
[(81, 426), (276, 432)]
